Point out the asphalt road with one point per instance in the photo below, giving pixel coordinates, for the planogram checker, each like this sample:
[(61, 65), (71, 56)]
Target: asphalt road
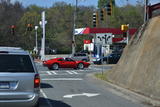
[(74, 88)]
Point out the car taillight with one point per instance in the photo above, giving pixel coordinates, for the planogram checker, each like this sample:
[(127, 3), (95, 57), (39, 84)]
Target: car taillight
[(36, 81)]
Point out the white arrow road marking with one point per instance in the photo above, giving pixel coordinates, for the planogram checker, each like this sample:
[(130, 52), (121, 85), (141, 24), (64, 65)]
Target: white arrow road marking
[(83, 94)]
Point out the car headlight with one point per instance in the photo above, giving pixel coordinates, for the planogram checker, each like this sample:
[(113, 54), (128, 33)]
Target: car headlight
[(98, 59), (97, 56)]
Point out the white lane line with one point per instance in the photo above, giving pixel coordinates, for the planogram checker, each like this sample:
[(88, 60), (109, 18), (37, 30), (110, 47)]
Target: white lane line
[(69, 72), (54, 72), (49, 73), (46, 98), (81, 70), (43, 74), (62, 79), (58, 74), (74, 72)]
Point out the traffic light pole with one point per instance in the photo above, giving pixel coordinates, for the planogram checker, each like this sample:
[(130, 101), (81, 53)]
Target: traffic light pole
[(74, 27)]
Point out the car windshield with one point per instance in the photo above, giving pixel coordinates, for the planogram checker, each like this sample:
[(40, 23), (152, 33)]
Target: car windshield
[(15, 63)]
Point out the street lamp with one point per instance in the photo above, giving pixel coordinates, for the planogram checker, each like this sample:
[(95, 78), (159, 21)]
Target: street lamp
[(36, 48)]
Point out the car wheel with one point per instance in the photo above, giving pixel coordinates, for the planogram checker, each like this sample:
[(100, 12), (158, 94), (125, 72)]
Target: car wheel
[(80, 66), (55, 66)]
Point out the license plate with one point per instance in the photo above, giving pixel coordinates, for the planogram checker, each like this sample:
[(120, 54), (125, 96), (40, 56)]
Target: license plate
[(4, 85)]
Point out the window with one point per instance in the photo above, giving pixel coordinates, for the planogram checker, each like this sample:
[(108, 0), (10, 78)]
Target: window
[(60, 59), (15, 63), (68, 59)]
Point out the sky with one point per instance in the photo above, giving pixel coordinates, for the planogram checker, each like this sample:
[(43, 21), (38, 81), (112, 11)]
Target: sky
[(49, 3)]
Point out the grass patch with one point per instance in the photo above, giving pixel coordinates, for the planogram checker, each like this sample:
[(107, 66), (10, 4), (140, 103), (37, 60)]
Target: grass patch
[(102, 76)]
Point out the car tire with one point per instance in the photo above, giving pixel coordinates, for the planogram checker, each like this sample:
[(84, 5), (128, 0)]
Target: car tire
[(80, 66), (55, 66)]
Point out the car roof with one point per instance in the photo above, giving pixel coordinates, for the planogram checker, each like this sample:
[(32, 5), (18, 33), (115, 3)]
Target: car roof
[(13, 50)]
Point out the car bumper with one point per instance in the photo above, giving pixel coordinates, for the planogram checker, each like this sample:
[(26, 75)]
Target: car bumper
[(21, 102), (96, 61)]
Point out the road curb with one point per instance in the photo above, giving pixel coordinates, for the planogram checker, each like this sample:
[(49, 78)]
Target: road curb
[(126, 93)]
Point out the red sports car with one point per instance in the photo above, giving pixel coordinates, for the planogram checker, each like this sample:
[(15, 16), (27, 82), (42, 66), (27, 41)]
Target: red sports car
[(55, 64)]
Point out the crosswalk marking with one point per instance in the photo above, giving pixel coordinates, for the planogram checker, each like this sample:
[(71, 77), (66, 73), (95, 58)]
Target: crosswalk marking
[(69, 72), (74, 72), (49, 73), (60, 73), (63, 72), (54, 72)]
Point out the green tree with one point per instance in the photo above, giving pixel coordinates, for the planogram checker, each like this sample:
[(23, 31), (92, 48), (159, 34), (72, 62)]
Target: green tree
[(103, 3)]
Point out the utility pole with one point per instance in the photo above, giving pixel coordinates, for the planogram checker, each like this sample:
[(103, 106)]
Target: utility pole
[(42, 23), (74, 27), (145, 11)]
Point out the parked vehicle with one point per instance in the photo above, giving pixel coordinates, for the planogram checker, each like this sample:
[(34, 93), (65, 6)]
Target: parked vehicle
[(80, 57), (112, 58), (55, 64), (19, 79)]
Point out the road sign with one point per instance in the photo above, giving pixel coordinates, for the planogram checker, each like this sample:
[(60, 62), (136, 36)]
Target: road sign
[(104, 38)]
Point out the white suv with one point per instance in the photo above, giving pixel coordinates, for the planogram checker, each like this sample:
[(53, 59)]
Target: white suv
[(19, 79), (80, 57)]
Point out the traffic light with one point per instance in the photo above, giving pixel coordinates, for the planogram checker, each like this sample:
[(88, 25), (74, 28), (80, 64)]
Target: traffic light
[(124, 27), (13, 29), (102, 14), (109, 9), (29, 27), (95, 19)]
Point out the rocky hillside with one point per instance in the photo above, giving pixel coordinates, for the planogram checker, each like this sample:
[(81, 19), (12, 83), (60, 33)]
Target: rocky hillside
[(139, 66)]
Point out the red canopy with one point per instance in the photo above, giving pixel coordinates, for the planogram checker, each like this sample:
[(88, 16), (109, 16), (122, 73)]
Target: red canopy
[(114, 31)]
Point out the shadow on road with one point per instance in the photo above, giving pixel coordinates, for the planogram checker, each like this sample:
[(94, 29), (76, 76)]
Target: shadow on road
[(52, 103), (45, 85)]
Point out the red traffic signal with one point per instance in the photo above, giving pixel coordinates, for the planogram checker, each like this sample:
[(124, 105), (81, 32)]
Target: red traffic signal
[(29, 27), (13, 29), (13, 26)]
